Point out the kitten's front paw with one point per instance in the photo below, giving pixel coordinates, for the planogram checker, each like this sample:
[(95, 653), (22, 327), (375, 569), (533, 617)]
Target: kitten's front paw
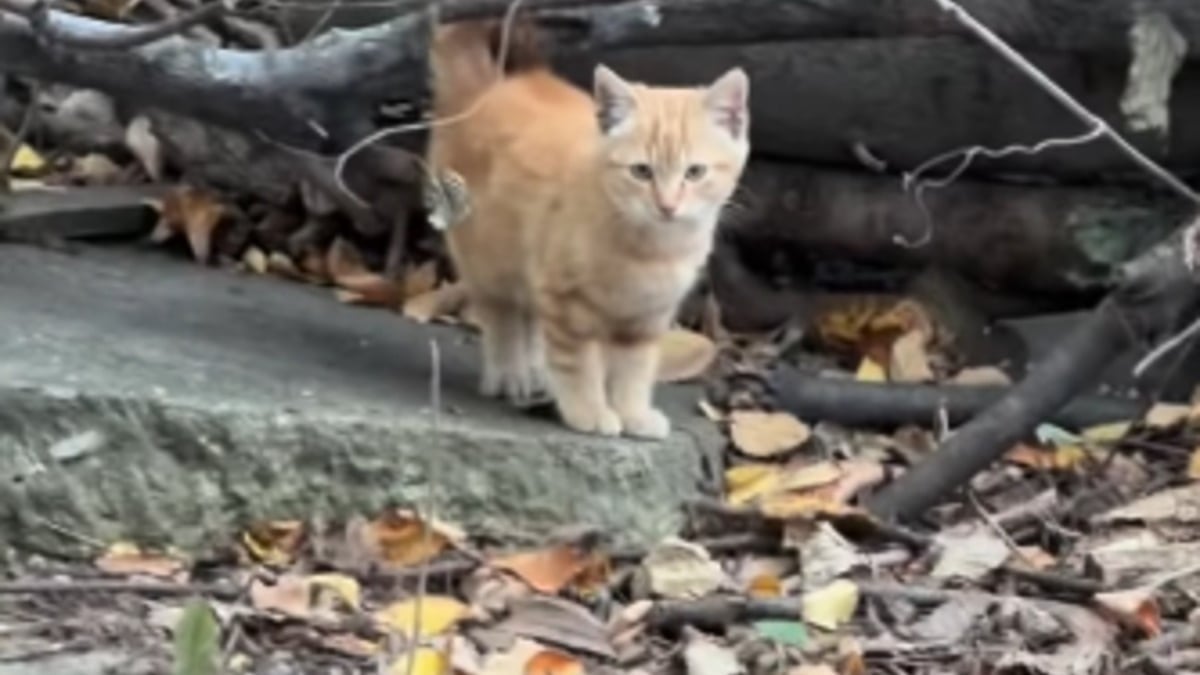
[(650, 423), (603, 421)]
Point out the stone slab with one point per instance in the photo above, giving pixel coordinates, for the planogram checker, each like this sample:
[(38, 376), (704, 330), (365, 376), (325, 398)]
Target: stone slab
[(143, 396)]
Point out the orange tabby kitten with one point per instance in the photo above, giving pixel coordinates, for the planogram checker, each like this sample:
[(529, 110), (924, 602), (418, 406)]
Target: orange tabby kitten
[(589, 219)]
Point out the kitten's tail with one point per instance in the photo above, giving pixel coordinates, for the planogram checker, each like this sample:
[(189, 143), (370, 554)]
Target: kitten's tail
[(465, 60)]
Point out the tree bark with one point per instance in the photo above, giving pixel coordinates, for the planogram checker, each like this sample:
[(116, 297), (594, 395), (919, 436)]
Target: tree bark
[(1158, 294), (1038, 240), (906, 100)]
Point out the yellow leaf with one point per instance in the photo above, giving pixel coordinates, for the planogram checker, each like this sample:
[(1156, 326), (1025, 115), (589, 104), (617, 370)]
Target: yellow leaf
[(438, 613), (830, 606), (750, 482), (344, 587), (765, 586), (684, 355), (274, 543), (1106, 433), (27, 160), (870, 371), (766, 434), (1163, 415), (791, 506), (1193, 470), (425, 661), (125, 558)]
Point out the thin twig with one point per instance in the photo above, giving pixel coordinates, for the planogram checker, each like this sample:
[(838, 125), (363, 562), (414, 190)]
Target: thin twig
[(159, 588), (1050, 87), (1166, 348), (41, 21)]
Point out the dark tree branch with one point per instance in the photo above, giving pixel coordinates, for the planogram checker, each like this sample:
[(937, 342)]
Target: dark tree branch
[(50, 26), (1156, 293)]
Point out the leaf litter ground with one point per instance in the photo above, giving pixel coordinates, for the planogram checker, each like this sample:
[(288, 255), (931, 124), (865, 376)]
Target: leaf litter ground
[(1077, 553)]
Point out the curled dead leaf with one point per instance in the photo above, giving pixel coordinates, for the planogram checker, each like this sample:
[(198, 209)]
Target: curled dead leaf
[(552, 569), (274, 543), (766, 434), (192, 212), (1136, 608), (357, 284), (402, 538), (128, 559), (141, 141), (681, 569), (685, 355)]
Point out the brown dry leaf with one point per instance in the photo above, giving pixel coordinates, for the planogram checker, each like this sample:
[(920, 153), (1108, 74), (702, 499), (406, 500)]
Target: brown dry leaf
[(400, 537), (420, 280), (192, 212), (552, 662), (548, 570), (447, 300), (144, 145), (127, 558), (349, 644), (437, 614), (801, 505), (766, 434), (1061, 458), (1136, 608), (1035, 557), (685, 355), (908, 360), (289, 596), (274, 543), (356, 283)]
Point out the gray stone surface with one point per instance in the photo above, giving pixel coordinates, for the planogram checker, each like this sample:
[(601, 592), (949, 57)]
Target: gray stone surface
[(144, 396)]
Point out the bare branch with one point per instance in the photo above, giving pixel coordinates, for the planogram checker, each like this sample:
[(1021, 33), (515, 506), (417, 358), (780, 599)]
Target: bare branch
[(48, 25)]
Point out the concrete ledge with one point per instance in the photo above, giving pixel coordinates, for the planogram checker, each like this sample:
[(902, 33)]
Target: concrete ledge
[(148, 398)]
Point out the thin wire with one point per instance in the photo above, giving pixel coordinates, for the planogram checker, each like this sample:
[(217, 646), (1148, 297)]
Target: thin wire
[(344, 158)]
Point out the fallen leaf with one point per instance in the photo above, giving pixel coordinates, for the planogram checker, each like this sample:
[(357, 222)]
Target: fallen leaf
[(909, 362), (349, 644), (969, 553), (274, 543), (784, 632), (1193, 470), (197, 640), (95, 169), (289, 596), (127, 558), (192, 212), (345, 589), (832, 605), (764, 586), (1035, 557), (827, 555), (685, 355), (144, 145), (1060, 458), (446, 300), (1179, 506), (279, 264), (490, 592), (420, 279), (27, 160), (982, 376), (681, 569), (552, 662), (1165, 415), (813, 669), (421, 661), (766, 434), (548, 570), (869, 370), (1106, 433), (355, 282), (437, 614), (800, 505), (553, 620), (402, 538), (751, 482), (255, 260), (702, 656), (1136, 608)]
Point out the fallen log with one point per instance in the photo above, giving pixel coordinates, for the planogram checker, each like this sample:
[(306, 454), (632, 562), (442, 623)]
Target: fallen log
[(902, 101), (1040, 240), (876, 405), (1157, 294)]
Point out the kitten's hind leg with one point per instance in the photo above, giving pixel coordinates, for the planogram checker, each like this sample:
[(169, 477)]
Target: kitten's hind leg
[(632, 371), (503, 349), (575, 366)]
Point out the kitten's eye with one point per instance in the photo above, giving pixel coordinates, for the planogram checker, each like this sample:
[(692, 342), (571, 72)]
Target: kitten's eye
[(641, 171), (695, 172)]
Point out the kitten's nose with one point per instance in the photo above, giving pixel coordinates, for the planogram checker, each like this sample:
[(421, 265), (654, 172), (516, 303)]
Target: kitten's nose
[(668, 209)]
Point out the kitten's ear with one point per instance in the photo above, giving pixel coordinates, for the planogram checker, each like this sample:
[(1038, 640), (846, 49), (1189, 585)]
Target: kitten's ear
[(727, 99), (614, 99)]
